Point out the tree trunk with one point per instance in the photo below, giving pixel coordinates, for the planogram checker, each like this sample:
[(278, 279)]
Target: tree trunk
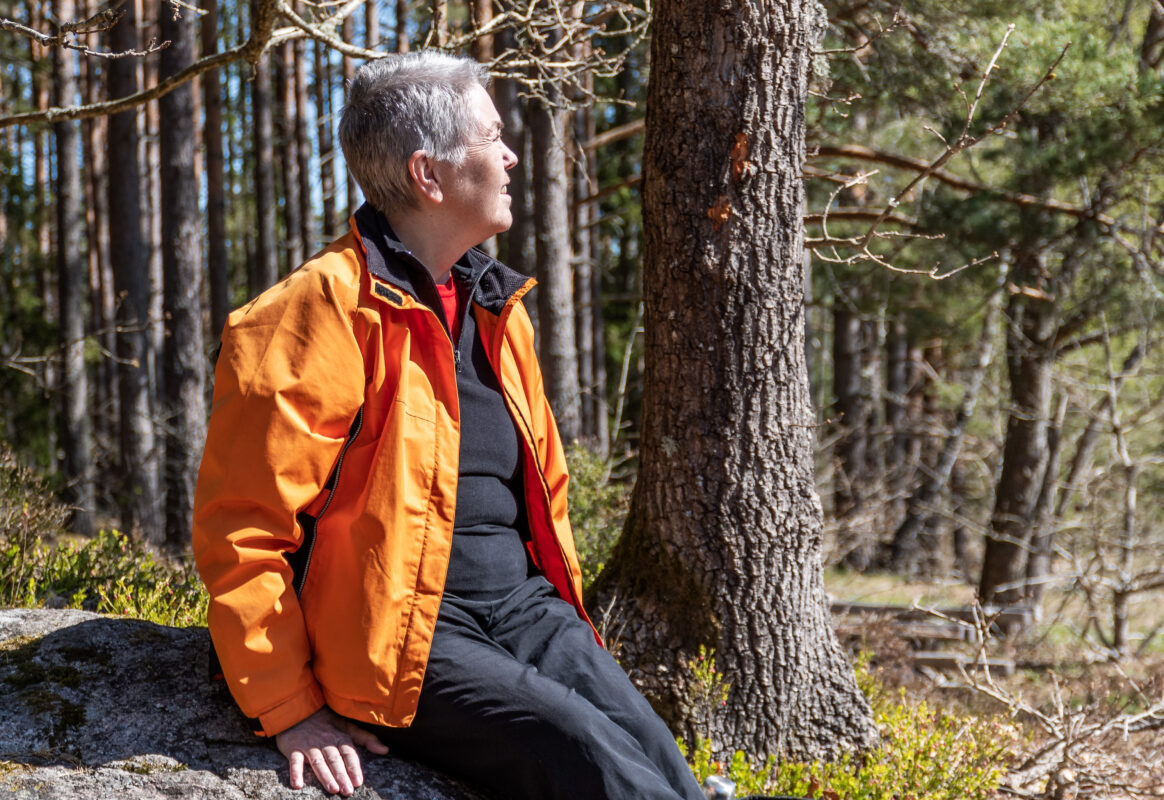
[(1152, 46), (371, 25), (440, 22), (351, 193), (42, 213), (897, 381), (103, 406), (1030, 357), (264, 267), (722, 543), (556, 348), (183, 361), (217, 265), (303, 150), (148, 12), (326, 147), (850, 410), (598, 354), (903, 548), (139, 495), (293, 247), (519, 246), (1042, 535), (402, 41), (72, 281), (482, 47)]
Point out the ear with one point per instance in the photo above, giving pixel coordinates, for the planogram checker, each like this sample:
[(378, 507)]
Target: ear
[(422, 170)]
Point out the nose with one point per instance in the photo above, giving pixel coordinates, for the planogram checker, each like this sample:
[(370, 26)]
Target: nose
[(509, 158)]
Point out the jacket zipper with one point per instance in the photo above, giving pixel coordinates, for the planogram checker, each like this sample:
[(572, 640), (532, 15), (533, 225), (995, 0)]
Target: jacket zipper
[(465, 316), (357, 426), (516, 412)]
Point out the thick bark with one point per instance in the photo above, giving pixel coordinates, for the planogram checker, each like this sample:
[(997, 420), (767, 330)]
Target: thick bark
[(140, 500), (264, 267), (72, 281), (722, 544), (217, 265), (555, 273), (183, 371)]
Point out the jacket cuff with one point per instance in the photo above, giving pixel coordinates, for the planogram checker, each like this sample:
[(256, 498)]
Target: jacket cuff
[(290, 712)]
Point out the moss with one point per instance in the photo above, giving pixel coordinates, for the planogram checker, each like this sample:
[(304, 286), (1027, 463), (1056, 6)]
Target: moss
[(148, 634), (19, 656), (17, 659), (84, 655), (151, 765), (21, 670), (18, 643), (65, 714)]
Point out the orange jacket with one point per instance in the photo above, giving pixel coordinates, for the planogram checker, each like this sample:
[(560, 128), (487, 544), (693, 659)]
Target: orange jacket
[(340, 370)]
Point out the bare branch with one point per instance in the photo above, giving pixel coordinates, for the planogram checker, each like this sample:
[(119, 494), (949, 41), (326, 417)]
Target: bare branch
[(66, 33), (548, 65), (858, 152), (965, 140), (125, 103)]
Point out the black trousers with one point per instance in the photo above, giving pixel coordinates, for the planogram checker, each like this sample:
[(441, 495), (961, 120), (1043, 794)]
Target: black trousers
[(519, 700)]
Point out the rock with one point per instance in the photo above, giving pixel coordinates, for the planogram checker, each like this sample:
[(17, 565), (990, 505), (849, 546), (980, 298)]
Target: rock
[(94, 707)]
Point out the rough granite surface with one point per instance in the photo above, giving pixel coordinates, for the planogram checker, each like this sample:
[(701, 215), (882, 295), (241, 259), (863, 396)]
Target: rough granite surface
[(93, 707)]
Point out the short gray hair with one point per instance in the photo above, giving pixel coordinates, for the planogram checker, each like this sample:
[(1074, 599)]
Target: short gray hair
[(400, 104)]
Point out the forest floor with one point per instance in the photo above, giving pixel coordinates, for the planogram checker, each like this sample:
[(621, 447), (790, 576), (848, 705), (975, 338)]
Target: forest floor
[(1092, 723)]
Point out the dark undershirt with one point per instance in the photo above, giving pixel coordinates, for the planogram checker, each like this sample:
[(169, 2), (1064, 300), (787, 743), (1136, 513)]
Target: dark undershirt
[(489, 558)]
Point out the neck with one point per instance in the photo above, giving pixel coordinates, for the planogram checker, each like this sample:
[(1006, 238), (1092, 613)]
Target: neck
[(436, 245)]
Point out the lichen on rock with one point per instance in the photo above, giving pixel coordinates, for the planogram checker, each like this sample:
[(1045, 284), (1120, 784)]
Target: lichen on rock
[(96, 707)]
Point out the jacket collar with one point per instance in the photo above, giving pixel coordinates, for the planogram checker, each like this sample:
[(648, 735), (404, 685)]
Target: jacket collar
[(390, 261)]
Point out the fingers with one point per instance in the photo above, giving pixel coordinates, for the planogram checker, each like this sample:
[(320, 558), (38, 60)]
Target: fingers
[(328, 744), (351, 760), (328, 766), (295, 764), (367, 740)]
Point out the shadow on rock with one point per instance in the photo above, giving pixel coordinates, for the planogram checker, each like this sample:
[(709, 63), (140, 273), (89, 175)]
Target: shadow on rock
[(96, 707)]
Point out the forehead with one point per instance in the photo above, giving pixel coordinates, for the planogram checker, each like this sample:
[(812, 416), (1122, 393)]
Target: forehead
[(483, 109)]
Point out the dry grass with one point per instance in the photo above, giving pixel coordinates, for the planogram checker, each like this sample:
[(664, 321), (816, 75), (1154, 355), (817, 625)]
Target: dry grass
[(1094, 726)]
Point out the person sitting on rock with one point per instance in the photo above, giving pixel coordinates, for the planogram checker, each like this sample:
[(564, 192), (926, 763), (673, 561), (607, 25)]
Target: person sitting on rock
[(380, 516)]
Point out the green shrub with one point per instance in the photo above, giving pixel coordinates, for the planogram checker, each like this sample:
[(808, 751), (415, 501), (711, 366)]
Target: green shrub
[(597, 508), (924, 754), (28, 516), (114, 574), (109, 573)]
